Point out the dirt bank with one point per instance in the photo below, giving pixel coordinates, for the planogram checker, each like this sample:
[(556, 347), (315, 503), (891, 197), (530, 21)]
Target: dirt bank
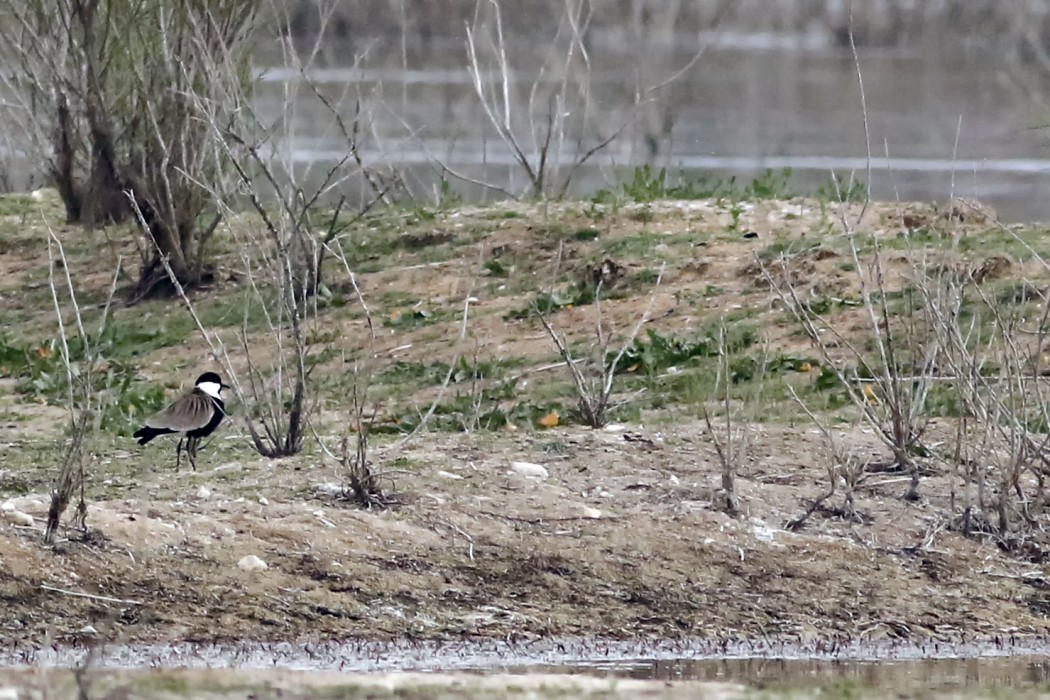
[(620, 535), (620, 540)]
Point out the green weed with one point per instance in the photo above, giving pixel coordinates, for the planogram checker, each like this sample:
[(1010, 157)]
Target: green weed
[(41, 373), (772, 184), (586, 234), (841, 189), (649, 185), (661, 353), (496, 268)]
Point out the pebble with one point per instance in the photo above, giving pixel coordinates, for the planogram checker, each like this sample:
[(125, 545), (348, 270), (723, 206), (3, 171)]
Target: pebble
[(203, 492), (529, 470), (448, 475), (251, 563), (264, 501), (17, 517), (330, 489), (592, 513), (8, 693)]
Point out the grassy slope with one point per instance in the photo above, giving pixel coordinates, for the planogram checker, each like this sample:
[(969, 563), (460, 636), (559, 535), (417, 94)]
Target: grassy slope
[(623, 539)]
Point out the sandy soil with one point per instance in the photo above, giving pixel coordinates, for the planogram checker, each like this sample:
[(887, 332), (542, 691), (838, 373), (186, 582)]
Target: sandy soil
[(621, 540)]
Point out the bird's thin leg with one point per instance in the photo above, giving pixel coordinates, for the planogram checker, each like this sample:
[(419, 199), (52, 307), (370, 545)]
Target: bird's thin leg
[(178, 455), (192, 451)]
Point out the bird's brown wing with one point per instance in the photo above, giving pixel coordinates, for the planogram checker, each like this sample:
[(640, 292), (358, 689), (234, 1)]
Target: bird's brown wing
[(189, 412)]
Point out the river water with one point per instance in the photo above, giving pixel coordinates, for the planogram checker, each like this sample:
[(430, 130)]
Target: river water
[(939, 121)]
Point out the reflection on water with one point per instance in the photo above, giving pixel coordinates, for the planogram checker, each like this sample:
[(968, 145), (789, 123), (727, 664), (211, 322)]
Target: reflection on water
[(931, 674), (937, 123)]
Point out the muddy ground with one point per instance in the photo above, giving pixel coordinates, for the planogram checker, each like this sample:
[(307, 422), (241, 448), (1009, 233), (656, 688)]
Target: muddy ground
[(622, 536)]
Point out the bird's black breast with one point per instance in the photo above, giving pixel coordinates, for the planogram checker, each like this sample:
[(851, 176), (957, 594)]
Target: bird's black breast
[(217, 415)]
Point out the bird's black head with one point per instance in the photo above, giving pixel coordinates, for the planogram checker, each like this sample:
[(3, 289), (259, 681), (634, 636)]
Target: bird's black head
[(211, 378), (211, 384)]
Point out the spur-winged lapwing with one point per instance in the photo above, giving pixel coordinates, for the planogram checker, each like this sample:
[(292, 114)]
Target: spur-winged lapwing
[(192, 416)]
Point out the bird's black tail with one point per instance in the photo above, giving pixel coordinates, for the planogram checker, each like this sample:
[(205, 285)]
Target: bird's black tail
[(147, 433)]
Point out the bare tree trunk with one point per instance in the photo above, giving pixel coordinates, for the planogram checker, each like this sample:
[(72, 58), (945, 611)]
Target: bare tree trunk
[(63, 165)]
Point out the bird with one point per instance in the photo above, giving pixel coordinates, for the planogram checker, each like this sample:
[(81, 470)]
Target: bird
[(194, 415)]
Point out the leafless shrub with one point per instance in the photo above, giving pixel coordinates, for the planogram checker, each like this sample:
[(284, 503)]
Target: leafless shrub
[(1004, 432), (554, 124), (282, 249), (594, 378), (106, 90), (842, 465), (731, 432), (890, 385), (85, 396), (361, 481)]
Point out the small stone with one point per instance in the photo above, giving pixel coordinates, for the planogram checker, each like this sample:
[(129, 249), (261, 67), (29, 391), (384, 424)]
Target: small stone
[(251, 563), (330, 489), (8, 693), (203, 492), (88, 629), (448, 475), (7, 506), (529, 470), (592, 513), (17, 517), (264, 501)]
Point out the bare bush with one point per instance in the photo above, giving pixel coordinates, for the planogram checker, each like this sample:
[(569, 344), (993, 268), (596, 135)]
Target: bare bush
[(298, 214), (842, 465), (106, 89), (888, 386), (361, 482), (731, 432), (553, 123), (594, 377), (86, 394), (1004, 431)]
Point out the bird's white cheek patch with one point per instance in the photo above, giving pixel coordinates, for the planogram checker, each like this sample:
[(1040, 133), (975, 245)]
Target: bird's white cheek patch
[(211, 389)]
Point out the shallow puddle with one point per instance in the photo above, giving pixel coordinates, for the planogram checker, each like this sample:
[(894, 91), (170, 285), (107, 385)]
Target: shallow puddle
[(987, 673), (1016, 667)]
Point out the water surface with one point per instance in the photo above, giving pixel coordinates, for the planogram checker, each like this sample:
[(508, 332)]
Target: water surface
[(938, 124)]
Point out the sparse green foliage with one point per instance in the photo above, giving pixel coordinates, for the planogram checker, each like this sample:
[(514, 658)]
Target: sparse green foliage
[(649, 185), (841, 189), (41, 373), (661, 353)]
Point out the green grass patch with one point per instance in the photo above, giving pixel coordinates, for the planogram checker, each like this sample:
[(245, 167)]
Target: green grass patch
[(41, 374), (657, 353)]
